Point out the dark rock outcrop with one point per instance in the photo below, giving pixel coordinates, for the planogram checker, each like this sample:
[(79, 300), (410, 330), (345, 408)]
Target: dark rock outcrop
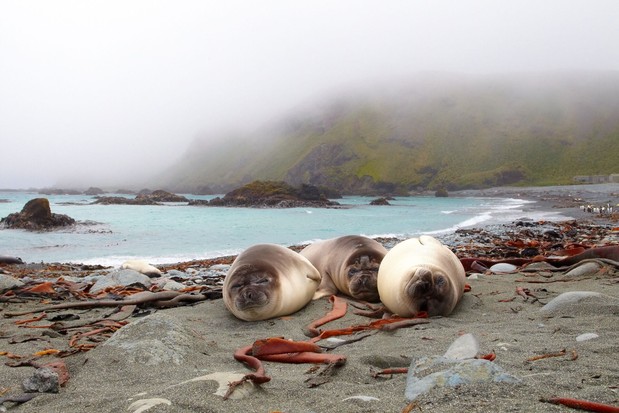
[(380, 201), (271, 194), (94, 191), (162, 196), (36, 215), (441, 193), (150, 198)]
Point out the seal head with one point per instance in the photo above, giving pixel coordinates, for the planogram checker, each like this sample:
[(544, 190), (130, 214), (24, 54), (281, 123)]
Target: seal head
[(421, 275), (267, 281), (348, 265)]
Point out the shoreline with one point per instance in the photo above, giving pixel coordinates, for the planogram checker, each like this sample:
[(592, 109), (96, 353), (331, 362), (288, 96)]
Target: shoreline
[(542, 203)]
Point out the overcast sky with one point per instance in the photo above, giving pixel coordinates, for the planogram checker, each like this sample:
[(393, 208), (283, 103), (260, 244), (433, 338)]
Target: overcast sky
[(111, 91)]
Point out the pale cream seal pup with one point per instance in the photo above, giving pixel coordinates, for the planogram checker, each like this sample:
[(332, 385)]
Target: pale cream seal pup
[(141, 267), (348, 265), (421, 275), (267, 281)]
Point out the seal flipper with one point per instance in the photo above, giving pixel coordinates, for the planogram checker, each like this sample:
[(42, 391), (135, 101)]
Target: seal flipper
[(325, 288), (429, 240)]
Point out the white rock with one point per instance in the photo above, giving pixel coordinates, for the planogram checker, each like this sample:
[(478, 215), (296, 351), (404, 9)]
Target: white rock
[(464, 347), (503, 268), (362, 398), (586, 336)]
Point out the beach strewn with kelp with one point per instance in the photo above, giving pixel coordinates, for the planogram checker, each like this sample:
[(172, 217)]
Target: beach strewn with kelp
[(542, 317)]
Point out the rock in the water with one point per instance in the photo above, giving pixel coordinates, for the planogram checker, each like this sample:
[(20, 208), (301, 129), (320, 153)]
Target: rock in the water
[(123, 278), (44, 380), (380, 201), (36, 215)]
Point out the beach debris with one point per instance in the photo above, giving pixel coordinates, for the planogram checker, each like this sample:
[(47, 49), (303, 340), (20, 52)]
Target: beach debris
[(362, 398), (560, 353), (456, 367), (223, 380), (582, 404), (17, 399), (339, 307), (390, 371), (36, 215), (159, 299), (322, 377), (279, 350), (586, 336), (143, 405)]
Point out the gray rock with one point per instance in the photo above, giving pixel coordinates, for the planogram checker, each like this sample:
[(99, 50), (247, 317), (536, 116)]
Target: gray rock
[(177, 274), (575, 303), (464, 347), (503, 268), (456, 368), (584, 269), (8, 283), (451, 373), (152, 340), (121, 278), (44, 380), (171, 285)]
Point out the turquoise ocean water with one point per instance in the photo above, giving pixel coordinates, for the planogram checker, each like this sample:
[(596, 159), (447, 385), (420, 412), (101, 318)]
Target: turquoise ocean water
[(110, 234)]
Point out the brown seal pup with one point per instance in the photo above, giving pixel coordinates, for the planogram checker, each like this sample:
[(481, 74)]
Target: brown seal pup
[(348, 265), (421, 275), (267, 281)]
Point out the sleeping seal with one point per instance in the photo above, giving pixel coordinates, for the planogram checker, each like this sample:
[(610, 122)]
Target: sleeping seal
[(420, 274), (348, 265), (141, 267), (267, 281), (7, 259)]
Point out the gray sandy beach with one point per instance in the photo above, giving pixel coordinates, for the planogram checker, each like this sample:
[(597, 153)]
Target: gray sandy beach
[(174, 360)]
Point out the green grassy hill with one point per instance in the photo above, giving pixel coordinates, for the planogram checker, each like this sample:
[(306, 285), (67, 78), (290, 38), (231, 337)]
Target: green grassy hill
[(436, 131)]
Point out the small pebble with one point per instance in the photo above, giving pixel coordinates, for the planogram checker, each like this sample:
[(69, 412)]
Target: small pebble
[(586, 336)]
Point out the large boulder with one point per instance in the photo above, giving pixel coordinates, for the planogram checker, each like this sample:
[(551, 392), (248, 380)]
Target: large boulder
[(36, 215)]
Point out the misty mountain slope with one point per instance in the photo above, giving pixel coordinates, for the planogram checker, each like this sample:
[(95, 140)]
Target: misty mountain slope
[(456, 132)]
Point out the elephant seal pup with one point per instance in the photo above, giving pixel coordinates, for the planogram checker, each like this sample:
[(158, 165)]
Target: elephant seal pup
[(7, 259), (267, 281), (141, 267), (348, 265), (421, 275)]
